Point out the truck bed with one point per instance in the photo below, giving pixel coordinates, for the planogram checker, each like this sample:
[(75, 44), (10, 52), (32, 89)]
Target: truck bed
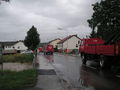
[(108, 50)]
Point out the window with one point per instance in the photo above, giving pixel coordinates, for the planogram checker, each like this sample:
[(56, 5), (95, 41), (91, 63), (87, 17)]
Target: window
[(13, 47), (76, 45), (18, 47)]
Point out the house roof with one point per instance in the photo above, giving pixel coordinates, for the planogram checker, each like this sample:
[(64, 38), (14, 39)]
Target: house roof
[(66, 38), (10, 43), (54, 40)]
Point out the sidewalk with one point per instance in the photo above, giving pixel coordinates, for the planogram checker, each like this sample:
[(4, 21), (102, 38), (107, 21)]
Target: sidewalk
[(46, 81)]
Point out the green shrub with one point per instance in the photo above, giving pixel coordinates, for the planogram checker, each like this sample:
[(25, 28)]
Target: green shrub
[(22, 58), (17, 80)]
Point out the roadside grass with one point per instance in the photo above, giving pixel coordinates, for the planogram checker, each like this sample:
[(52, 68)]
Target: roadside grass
[(22, 58), (12, 80)]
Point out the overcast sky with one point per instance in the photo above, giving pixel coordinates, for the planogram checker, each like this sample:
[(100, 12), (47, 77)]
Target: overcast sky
[(18, 16)]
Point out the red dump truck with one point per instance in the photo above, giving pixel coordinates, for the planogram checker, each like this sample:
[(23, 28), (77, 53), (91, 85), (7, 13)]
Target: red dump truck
[(107, 54), (48, 49)]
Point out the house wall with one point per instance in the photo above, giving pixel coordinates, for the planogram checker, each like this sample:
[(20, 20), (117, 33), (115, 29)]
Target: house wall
[(54, 43), (20, 46), (60, 46), (71, 43), (8, 48)]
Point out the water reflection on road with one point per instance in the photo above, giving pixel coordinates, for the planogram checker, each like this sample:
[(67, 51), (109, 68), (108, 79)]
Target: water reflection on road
[(82, 77), (98, 80), (50, 58)]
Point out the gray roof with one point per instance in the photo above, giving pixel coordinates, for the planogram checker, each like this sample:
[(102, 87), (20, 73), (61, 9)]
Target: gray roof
[(9, 43)]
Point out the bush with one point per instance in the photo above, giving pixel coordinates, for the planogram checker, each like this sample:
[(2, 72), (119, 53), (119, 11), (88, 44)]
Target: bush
[(22, 58), (12, 80)]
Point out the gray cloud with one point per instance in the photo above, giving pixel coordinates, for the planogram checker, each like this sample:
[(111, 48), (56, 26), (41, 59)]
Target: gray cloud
[(18, 16)]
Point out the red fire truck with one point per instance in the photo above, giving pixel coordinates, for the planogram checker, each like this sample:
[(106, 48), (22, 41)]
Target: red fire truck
[(106, 53), (40, 49), (48, 49)]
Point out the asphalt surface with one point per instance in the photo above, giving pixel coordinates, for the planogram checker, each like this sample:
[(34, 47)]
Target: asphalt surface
[(75, 76)]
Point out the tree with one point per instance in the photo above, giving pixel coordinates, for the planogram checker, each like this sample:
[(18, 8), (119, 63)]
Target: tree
[(105, 19), (32, 39)]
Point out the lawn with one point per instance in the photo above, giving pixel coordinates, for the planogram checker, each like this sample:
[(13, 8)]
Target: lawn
[(22, 58), (12, 80)]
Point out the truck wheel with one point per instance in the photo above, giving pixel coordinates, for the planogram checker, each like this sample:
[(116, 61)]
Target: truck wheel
[(84, 59), (104, 62), (81, 55)]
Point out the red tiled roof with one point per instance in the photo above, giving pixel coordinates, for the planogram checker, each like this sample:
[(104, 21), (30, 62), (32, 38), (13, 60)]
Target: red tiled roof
[(66, 38)]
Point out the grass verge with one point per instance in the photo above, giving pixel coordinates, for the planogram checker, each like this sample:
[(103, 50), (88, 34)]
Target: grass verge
[(22, 58), (12, 80)]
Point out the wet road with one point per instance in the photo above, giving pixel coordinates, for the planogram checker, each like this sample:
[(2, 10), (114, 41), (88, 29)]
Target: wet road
[(71, 70)]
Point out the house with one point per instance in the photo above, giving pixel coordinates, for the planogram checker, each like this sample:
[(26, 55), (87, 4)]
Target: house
[(14, 46), (19, 46), (69, 43), (54, 42)]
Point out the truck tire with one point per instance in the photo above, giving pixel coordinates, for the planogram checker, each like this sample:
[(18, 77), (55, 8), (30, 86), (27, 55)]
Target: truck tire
[(84, 59), (105, 62), (81, 55)]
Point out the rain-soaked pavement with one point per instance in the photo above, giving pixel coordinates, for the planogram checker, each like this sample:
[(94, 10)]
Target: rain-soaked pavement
[(79, 77)]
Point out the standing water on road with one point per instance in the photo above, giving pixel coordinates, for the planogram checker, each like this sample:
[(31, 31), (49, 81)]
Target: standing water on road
[(71, 70)]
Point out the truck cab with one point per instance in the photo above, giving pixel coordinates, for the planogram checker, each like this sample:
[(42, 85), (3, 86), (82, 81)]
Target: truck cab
[(48, 49)]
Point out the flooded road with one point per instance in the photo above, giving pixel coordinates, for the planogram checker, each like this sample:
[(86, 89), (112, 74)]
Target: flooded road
[(80, 77)]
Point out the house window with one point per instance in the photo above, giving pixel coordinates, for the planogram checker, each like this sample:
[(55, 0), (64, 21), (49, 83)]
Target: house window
[(13, 47), (76, 45), (18, 47), (78, 42)]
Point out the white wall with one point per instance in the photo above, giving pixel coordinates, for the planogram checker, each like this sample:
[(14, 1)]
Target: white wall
[(8, 47), (60, 46), (54, 43), (20, 46), (71, 43)]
